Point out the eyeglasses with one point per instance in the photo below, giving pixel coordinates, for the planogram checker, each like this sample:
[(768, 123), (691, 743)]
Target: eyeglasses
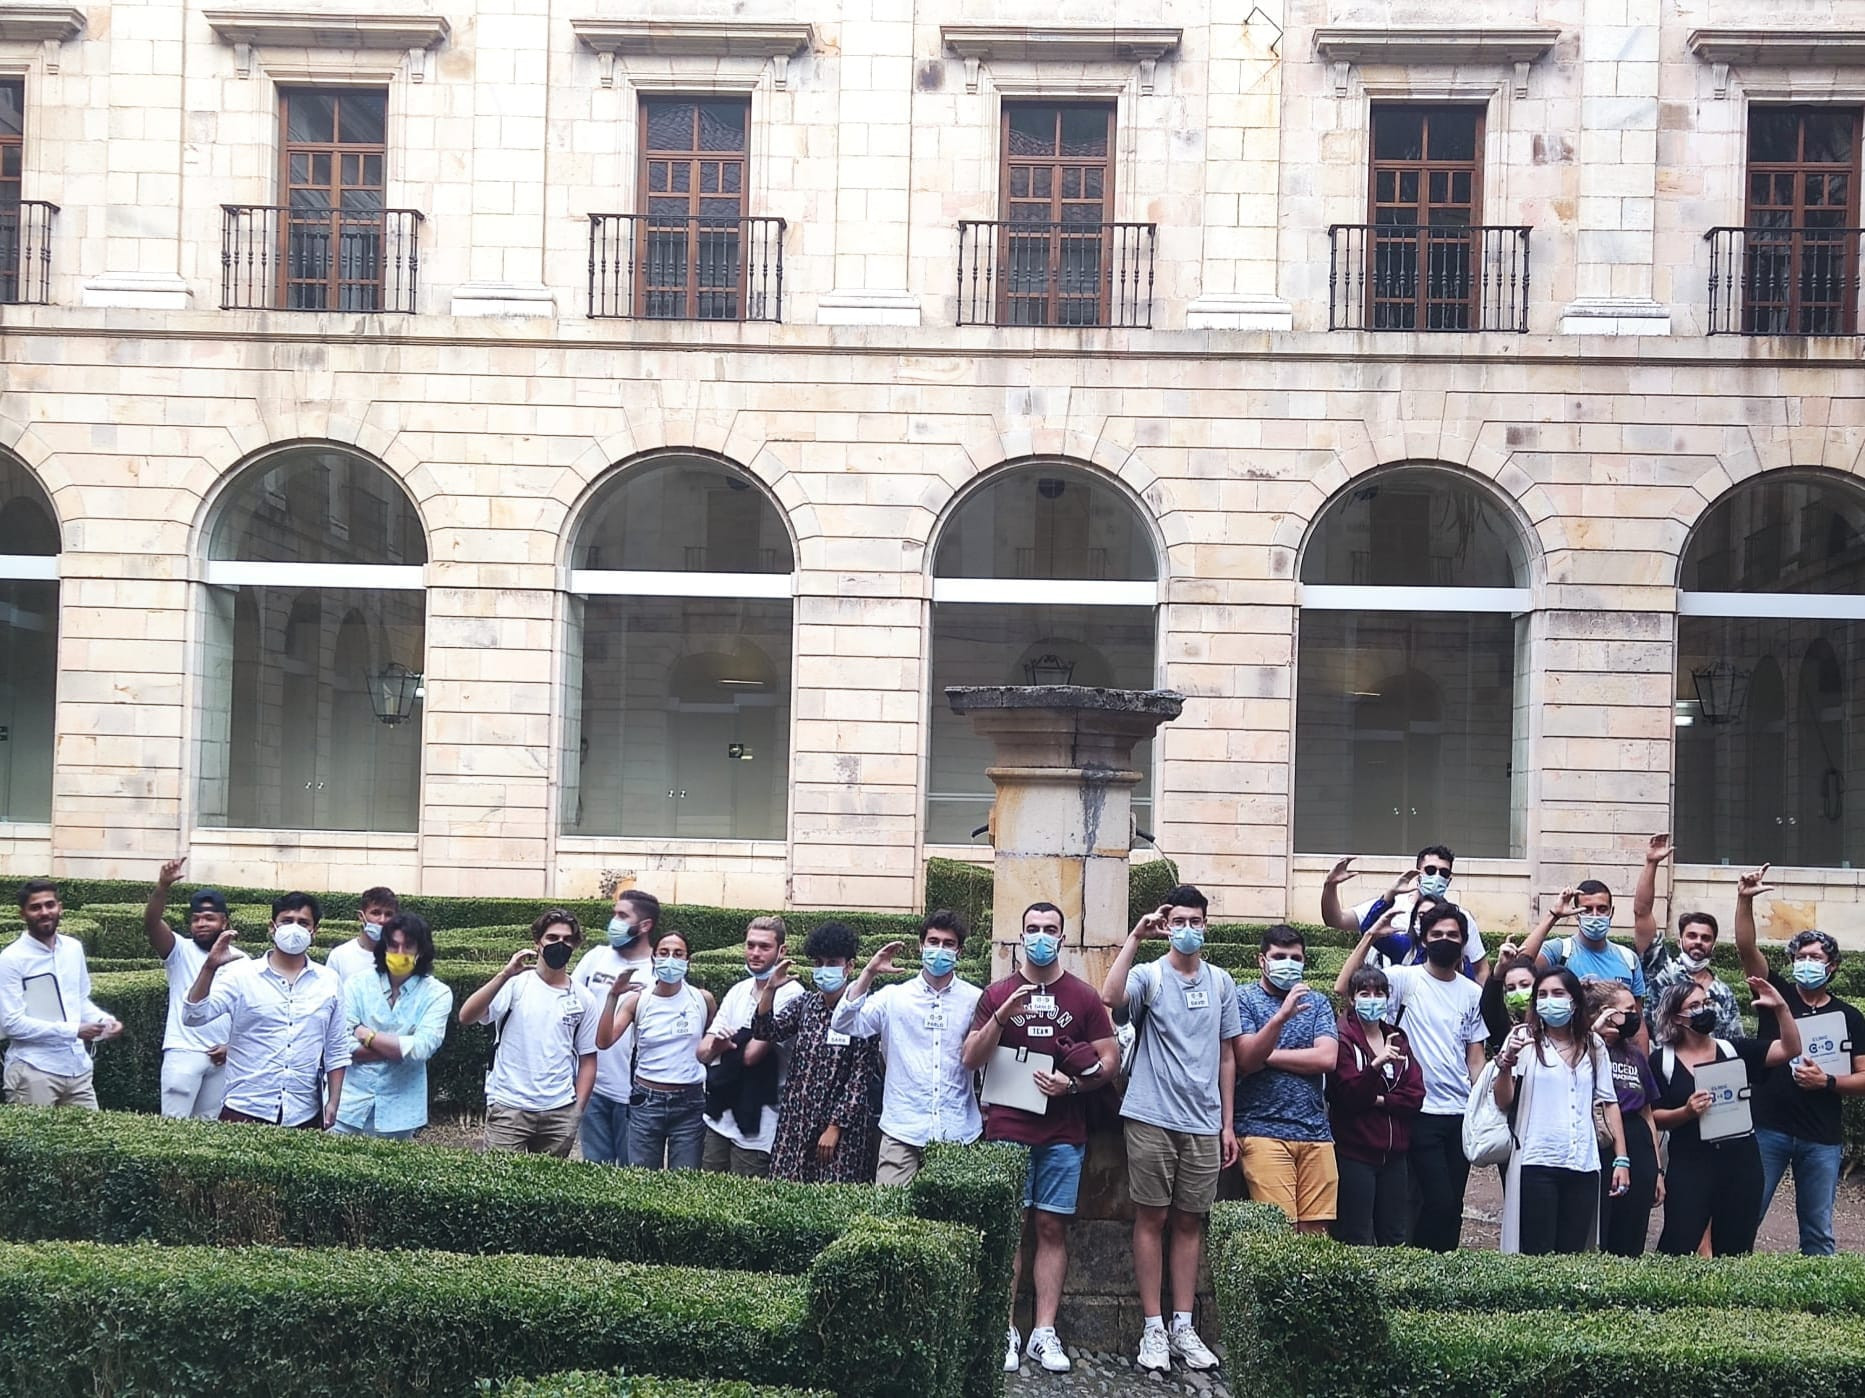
[(1443, 869)]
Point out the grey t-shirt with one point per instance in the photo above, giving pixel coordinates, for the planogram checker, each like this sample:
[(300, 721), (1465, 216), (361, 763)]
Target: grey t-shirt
[(1182, 1024)]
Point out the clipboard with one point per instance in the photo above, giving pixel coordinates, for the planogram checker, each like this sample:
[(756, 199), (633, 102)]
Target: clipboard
[(1729, 1114), (1823, 1039), (42, 997), (1009, 1080)]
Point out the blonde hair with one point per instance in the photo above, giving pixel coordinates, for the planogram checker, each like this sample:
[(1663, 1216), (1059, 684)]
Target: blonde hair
[(770, 924)]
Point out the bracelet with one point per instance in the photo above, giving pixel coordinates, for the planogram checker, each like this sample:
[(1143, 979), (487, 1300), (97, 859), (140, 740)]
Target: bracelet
[(1622, 1162)]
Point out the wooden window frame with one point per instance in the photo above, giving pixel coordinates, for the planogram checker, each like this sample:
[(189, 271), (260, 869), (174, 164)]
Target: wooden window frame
[(12, 192), (1422, 303), (692, 293), (1795, 306), (1053, 298), (334, 284)]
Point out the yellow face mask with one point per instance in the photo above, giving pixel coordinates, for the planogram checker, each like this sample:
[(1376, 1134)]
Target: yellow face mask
[(400, 963)]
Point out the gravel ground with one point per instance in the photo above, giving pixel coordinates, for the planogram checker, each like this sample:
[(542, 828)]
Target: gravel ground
[(1100, 1375)]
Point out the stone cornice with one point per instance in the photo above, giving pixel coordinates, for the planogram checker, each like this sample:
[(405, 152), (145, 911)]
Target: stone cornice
[(695, 38), (32, 24), (1783, 48), (1514, 45), (1057, 43), (326, 28)]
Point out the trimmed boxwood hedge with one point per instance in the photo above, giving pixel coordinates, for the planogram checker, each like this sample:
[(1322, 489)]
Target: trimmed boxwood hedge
[(584, 1383), (982, 1186)]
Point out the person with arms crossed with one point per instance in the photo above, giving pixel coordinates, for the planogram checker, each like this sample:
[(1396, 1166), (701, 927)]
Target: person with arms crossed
[(285, 1030), (357, 956), (46, 1010), (194, 1061), (1797, 1106), (1431, 872), (1043, 1009), (544, 1054), (1177, 1111), (927, 1093), (740, 1136), (627, 954), (1441, 1014), (398, 1018)]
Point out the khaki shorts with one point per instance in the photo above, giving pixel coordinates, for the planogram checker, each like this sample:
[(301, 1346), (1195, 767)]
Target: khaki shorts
[(898, 1163), (1176, 1168), (724, 1156), (550, 1132), (1298, 1177)]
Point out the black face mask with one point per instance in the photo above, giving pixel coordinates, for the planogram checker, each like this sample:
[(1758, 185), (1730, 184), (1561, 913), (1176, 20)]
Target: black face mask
[(556, 955), (1444, 953), (1702, 1019)]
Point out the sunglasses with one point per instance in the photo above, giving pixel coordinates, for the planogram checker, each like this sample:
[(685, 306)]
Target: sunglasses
[(1443, 869)]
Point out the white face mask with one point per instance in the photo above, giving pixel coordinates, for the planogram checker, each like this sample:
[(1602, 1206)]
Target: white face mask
[(294, 939)]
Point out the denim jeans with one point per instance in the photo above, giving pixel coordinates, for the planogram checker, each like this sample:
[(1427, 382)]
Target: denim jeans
[(603, 1134), (1816, 1181), (669, 1126)]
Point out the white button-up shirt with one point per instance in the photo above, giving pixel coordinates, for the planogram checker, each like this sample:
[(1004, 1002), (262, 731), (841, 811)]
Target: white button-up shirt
[(927, 1094), (281, 1036), (49, 1045)]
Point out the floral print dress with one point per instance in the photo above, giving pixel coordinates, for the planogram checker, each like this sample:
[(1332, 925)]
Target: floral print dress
[(834, 1079)]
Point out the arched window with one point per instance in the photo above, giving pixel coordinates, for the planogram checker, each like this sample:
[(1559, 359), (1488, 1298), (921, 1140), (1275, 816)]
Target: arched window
[(28, 644), (1408, 704), (1044, 575), (679, 657), (1771, 676), (315, 632)]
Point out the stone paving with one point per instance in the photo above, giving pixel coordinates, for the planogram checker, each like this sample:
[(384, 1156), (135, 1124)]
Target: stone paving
[(1098, 1374)]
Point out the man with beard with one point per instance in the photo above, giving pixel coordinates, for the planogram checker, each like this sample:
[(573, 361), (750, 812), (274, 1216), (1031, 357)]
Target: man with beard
[(194, 1060), (46, 1011)]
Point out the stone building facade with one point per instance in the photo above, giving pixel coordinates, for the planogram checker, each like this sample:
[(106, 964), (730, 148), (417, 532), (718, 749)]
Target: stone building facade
[(475, 445)]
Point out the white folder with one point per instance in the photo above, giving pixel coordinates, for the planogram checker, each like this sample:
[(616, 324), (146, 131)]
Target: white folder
[(1729, 1114), (1823, 1039), (1009, 1080), (41, 997)]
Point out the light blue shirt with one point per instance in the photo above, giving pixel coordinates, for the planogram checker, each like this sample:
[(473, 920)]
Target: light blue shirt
[(1609, 962), (395, 1092)]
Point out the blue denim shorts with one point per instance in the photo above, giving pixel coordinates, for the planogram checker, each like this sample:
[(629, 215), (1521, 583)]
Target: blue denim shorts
[(1054, 1178)]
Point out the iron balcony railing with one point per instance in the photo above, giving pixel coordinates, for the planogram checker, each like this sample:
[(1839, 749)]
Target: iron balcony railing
[(26, 251), (1071, 274), (287, 259), (1784, 281), (1401, 276), (658, 268)]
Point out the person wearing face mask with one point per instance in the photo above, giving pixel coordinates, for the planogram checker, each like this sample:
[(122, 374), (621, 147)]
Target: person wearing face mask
[(1625, 1219), (1398, 943), (1374, 1093), (1665, 965), (626, 953), (1177, 1112), (1040, 1008), (744, 1074), (1798, 1107), (1714, 1184), (194, 1061), (1591, 955), (826, 1117), (1443, 1021), (666, 1122), (285, 1030), (1552, 1075), (357, 956), (398, 1018), (927, 1094), (544, 1042), (1506, 995), (1281, 1114)]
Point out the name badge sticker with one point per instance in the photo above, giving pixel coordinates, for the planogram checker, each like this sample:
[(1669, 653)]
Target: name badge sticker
[(1042, 1004), (935, 1019), (1040, 1031), (835, 1040), (1197, 999)]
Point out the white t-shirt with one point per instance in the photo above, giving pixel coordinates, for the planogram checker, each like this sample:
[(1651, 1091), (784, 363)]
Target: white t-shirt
[(1557, 1129), (544, 1035), (351, 960), (1442, 1019), (184, 963), (735, 1012), (595, 973), (1473, 937)]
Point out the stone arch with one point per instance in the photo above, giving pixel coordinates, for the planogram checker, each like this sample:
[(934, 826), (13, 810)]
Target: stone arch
[(591, 489), (214, 498)]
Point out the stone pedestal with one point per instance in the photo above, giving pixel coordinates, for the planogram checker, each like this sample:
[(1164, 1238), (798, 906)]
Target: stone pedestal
[(1062, 822)]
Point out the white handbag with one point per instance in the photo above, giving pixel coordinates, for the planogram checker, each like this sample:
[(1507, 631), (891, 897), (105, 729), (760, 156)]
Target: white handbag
[(1487, 1138)]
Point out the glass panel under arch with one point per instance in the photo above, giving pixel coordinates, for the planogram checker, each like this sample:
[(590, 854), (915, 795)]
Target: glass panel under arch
[(28, 650), (1797, 532), (1416, 527), (1046, 522), (317, 505), (682, 515)]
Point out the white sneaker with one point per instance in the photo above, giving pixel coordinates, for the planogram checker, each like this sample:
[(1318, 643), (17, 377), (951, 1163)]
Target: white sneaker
[(1047, 1351), (1013, 1352), (1155, 1352), (1190, 1350)]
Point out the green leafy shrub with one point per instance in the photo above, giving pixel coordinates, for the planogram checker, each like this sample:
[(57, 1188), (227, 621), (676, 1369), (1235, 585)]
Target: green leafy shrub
[(981, 1186), (872, 1294), (1148, 883), (584, 1383), (963, 887), (83, 1320)]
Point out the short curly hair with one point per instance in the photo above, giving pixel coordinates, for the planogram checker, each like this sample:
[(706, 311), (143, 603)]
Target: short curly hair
[(833, 941)]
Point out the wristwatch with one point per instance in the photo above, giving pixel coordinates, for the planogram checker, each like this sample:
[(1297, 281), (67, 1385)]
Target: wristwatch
[(1074, 1086), (1832, 1083)]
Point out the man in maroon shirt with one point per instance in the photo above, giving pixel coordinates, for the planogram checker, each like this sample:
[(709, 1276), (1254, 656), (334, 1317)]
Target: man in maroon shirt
[(1046, 1011)]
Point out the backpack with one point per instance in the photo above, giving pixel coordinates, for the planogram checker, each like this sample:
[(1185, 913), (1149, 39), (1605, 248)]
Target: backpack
[(1128, 1035)]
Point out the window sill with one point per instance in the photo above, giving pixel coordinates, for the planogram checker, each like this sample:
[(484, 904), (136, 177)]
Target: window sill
[(222, 837)]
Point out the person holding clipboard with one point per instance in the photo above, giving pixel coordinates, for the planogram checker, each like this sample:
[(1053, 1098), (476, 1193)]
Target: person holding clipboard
[(46, 1011), (1042, 1038), (1704, 1092), (1797, 1107)]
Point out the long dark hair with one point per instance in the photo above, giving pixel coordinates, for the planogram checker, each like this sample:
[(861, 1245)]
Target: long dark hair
[(1580, 1026), (1494, 1008)]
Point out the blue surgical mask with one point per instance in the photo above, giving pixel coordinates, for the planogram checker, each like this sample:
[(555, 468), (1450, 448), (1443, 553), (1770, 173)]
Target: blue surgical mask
[(760, 976), (1553, 1012), (373, 931), (1284, 974), (1042, 948), (1186, 939), (1370, 1008), (1595, 926), (1434, 885), (1811, 972), (829, 979), (621, 932), (938, 961), (670, 970)]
